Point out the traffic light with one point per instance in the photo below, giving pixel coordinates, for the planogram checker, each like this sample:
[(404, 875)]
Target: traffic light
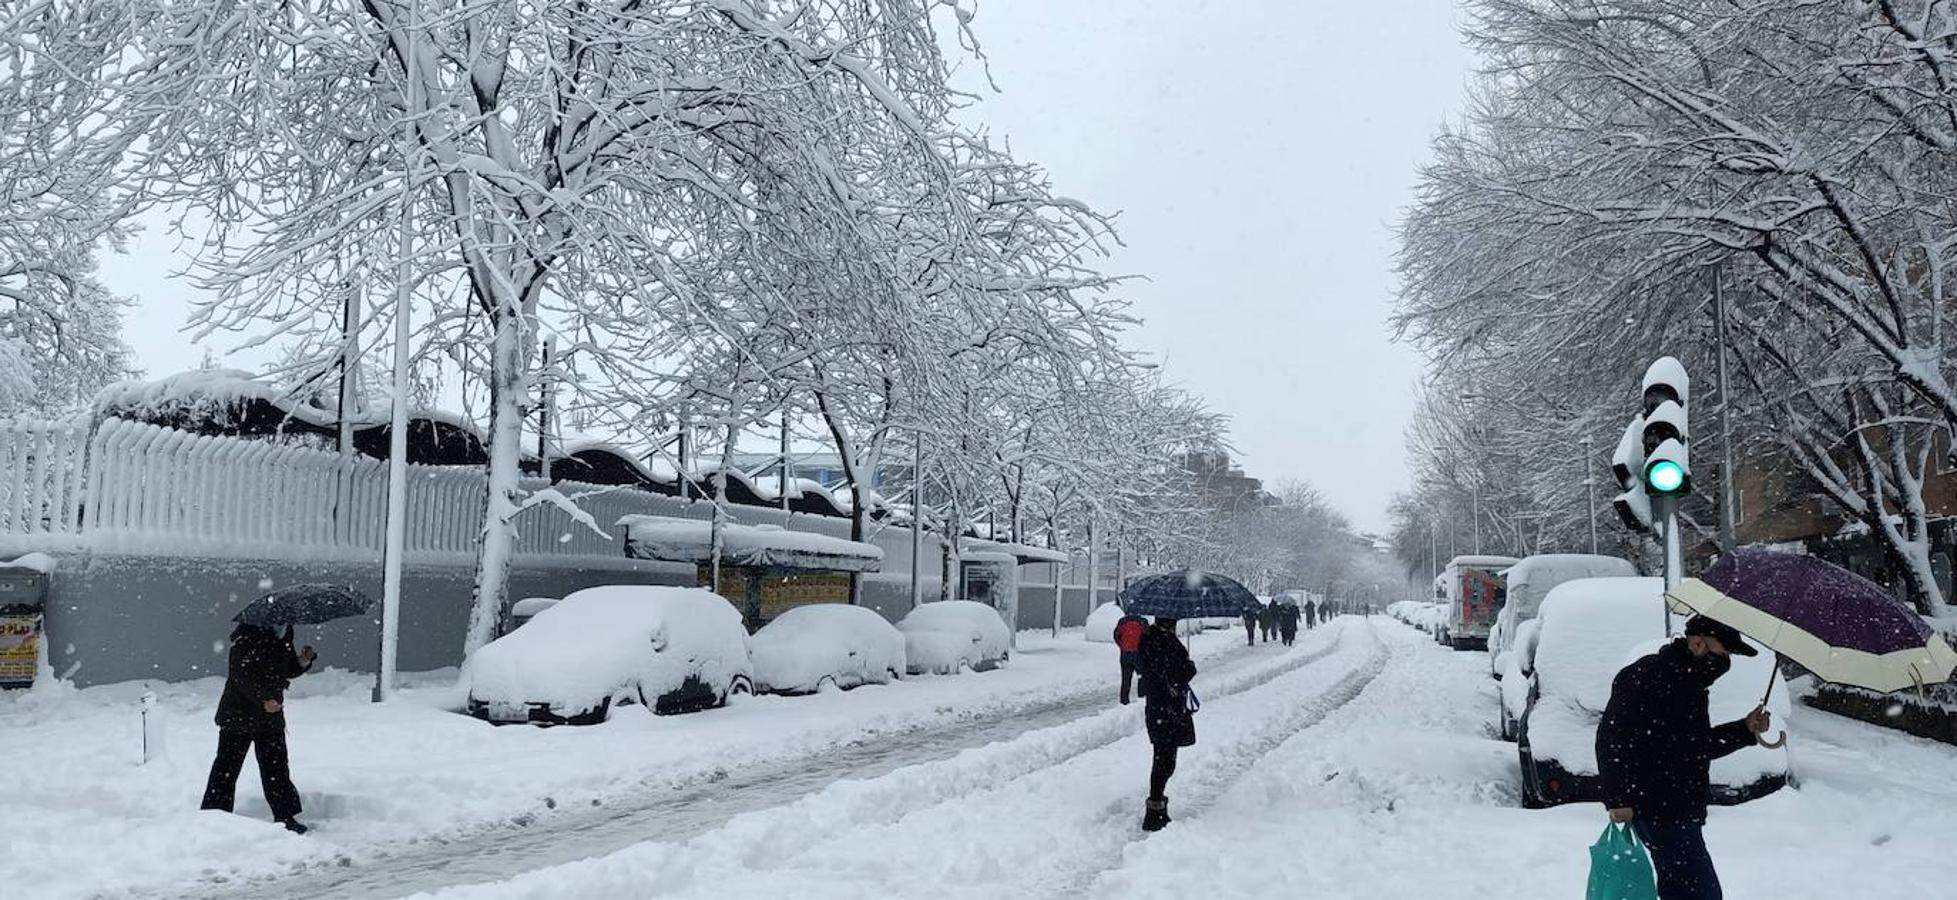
[(1667, 472), (1627, 466)]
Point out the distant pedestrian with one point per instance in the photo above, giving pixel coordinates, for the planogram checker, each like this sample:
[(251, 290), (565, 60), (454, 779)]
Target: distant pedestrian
[(1169, 711), (1267, 620), (1250, 626), (1128, 639), (1287, 623), (1655, 747), (251, 715), (1311, 614)]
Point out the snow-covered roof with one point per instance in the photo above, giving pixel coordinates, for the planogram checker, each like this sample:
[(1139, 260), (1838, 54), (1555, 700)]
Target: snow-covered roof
[(36, 562), (691, 540), (1483, 562), (1026, 553)]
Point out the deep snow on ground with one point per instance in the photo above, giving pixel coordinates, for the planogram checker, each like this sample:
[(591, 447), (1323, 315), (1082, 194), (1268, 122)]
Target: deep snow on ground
[(1293, 792), (1358, 765), (83, 817)]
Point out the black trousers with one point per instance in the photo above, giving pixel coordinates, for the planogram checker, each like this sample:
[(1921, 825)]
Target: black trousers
[(274, 770), (1679, 857)]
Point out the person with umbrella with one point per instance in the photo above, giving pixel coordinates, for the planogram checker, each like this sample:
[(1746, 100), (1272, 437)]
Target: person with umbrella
[(1165, 668), (1655, 747), (251, 711)]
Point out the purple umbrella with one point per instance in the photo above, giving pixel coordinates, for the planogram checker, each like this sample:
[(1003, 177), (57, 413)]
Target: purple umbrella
[(1841, 626)]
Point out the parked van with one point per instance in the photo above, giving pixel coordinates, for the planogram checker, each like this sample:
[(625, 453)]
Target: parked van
[(1472, 590), (1530, 580)]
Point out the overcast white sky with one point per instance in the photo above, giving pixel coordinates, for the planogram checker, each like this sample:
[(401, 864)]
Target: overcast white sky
[(1258, 152)]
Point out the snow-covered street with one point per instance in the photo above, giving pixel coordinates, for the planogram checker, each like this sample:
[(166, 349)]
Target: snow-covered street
[(1369, 772)]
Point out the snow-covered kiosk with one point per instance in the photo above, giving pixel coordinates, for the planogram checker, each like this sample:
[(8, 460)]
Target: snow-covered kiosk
[(765, 569)]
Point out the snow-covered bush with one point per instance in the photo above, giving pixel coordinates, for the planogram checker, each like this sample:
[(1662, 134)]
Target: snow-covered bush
[(948, 635), (844, 645), (1101, 622)]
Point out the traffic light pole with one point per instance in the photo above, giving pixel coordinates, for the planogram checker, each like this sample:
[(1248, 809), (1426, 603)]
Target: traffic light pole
[(1674, 562)]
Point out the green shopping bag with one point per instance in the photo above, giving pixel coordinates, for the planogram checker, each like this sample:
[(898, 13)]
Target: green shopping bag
[(1619, 867)]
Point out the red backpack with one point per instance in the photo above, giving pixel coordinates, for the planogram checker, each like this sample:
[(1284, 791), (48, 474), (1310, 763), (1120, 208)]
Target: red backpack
[(1128, 634)]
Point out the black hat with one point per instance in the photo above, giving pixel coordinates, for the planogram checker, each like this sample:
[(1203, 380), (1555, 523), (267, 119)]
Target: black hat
[(1727, 634)]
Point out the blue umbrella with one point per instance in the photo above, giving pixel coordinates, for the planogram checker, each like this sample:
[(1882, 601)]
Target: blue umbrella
[(304, 604), (1188, 594)]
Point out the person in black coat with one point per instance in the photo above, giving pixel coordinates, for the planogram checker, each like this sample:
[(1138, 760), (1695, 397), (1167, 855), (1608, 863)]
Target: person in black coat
[(251, 714), (1267, 617), (1655, 747), (1250, 626), (1165, 670), (1287, 624), (1311, 614)]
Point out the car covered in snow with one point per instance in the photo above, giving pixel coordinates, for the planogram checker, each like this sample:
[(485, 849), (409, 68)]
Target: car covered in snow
[(1529, 581), (1101, 622), (1590, 629), (1518, 666), (950, 635), (670, 649), (826, 643)]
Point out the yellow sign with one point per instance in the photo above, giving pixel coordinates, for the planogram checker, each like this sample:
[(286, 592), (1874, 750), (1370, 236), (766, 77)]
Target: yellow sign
[(20, 649), (779, 593)]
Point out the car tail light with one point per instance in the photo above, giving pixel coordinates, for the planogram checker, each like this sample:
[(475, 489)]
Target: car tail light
[(1555, 786)]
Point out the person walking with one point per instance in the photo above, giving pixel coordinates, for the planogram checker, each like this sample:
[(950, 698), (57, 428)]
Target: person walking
[(1655, 747), (1267, 618), (1311, 614), (1287, 624), (1128, 639), (1168, 711), (251, 715), (1250, 626)]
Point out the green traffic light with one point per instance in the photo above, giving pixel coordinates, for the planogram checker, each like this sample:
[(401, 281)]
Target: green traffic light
[(1665, 476)]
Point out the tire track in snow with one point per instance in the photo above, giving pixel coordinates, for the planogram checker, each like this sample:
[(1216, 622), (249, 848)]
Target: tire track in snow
[(876, 817), (499, 850)]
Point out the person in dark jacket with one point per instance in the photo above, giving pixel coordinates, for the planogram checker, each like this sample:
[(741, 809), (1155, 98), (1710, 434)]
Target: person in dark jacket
[(1250, 626), (1287, 624), (1655, 748), (1311, 614), (1165, 669), (1267, 617), (251, 715)]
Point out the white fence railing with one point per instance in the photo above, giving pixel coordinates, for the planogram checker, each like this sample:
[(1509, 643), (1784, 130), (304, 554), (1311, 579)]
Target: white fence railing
[(41, 479)]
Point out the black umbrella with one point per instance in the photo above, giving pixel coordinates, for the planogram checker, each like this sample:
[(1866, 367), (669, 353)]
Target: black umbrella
[(304, 604), (1188, 594)]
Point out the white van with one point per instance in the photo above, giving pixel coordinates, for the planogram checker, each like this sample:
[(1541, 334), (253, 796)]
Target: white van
[(1529, 581), (1472, 590)]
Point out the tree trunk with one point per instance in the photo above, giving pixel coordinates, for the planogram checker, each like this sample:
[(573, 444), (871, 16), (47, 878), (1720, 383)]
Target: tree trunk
[(509, 385)]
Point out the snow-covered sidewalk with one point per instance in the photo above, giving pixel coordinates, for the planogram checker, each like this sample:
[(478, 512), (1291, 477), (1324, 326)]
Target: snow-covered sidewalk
[(87, 819)]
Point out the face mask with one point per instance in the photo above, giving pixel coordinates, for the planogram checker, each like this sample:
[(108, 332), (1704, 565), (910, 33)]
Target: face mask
[(1707, 669)]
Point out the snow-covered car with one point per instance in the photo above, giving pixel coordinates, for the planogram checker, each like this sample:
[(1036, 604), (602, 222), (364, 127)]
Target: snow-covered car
[(1590, 629), (845, 646), (1518, 665), (1530, 580), (949, 635), (524, 610), (670, 649)]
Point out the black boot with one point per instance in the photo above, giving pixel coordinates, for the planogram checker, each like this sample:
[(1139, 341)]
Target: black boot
[(295, 826), (1156, 815)]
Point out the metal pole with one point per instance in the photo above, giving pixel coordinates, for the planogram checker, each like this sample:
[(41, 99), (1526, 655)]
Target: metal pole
[(349, 365), (546, 410), (1590, 488), (1674, 565), (917, 520), (784, 458), (1728, 509), (397, 451), (1476, 490), (1093, 564), (686, 454)]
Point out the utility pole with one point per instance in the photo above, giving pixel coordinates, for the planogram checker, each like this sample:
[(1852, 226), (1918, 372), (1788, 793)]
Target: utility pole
[(397, 451), (1728, 507), (1590, 488), (917, 519), (546, 412)]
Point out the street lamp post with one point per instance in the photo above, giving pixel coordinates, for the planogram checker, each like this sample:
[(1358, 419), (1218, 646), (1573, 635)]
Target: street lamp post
[(1590, 488)]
